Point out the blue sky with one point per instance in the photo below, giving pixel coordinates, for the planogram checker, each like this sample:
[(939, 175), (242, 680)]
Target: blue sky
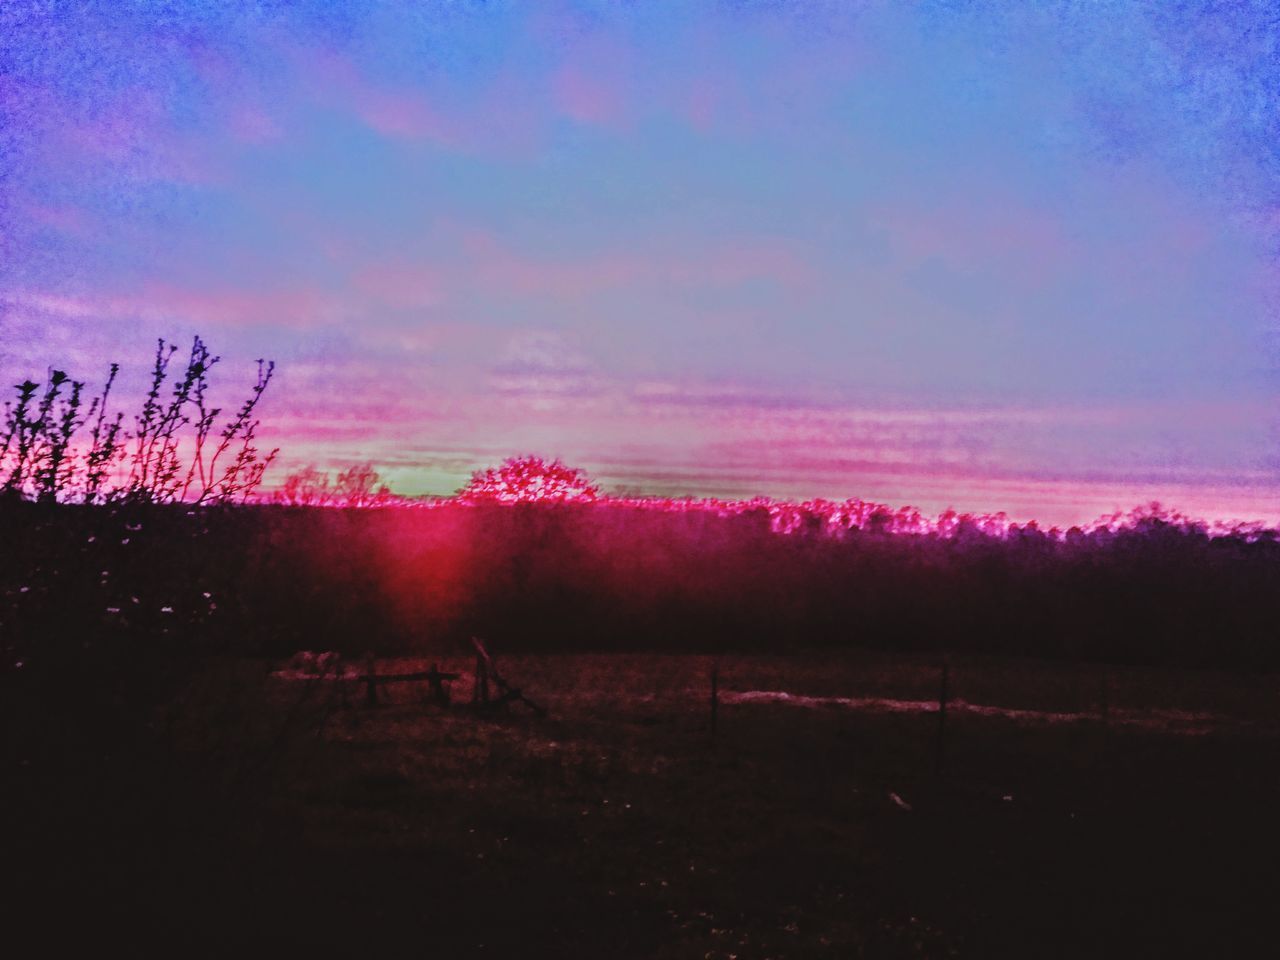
[(997, 256)]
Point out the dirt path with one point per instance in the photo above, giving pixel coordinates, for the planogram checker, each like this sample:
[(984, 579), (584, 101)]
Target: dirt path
[(1188, 722)]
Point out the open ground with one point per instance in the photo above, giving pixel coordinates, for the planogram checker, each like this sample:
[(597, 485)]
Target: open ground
[(272, 816)]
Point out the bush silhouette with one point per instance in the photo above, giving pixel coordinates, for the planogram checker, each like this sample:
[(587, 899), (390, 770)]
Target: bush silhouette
[(176, 450)]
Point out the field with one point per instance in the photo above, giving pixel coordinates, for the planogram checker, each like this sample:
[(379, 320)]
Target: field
[(1104, 781), (271, 817)]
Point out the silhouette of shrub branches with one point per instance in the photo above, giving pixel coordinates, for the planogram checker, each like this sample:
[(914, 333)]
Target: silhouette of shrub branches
[(359, 486), (174, 452)]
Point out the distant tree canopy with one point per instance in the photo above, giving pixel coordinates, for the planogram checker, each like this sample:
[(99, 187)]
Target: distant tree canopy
[(358, 486), (530, 479)]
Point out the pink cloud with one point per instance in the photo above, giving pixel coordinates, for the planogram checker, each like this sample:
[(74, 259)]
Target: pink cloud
[(507, 113), (592, 82), (497, 265), (996, 230), (292, 307), (932, 459), (399, 284), (254, 126), (745, 261), (130, 134), (507, 116), (542, 370), (429, 284), (340, 407), (705, 99), (59, 304), (57, 216), (134, 133), (159, 301), (588, 97), (731, 264), (400, 112)]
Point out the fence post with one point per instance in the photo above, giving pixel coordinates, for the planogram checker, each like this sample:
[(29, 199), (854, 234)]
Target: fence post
[(715, 692), (435, 683), (943, 693), (371, 689), (480, 692)]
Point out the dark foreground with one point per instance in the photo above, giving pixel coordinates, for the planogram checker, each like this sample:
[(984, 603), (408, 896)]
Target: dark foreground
[(257, 816)]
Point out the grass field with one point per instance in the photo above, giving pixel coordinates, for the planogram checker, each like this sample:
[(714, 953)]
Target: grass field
[(270, 817)]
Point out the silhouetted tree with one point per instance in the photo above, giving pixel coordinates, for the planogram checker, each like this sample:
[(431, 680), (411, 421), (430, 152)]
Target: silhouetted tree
[(530, 479), (360, 486)]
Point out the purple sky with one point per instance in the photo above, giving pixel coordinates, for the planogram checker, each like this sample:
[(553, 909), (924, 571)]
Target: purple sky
[(988, 256)]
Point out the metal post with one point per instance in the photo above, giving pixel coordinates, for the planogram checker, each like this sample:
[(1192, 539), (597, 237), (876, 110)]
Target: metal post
[(940, 758), (715, 692)]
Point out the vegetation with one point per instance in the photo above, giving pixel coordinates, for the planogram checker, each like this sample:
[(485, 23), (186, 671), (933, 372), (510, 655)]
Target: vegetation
[(266, 580), (529, 479), (357, 487), (174, 452)]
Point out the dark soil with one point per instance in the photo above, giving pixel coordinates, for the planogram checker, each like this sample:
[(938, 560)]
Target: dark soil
[(257, 816)]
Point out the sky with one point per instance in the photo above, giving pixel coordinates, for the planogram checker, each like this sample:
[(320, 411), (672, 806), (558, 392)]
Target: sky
[(994, 256)]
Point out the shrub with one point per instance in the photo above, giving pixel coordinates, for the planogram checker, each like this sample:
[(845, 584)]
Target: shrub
[(175, 452), (529, 479)]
